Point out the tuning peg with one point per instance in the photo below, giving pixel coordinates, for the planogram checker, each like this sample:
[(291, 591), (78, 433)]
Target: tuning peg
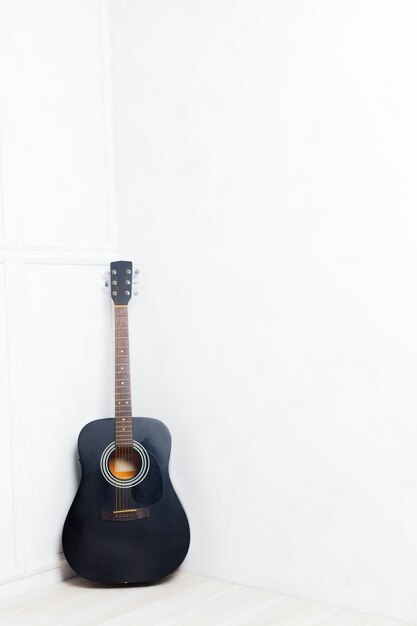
[(136, 272), (135, 293), (107, 283)]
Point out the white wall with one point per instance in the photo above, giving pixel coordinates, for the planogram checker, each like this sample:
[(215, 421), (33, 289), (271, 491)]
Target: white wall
[(57, 234), (266, 164)]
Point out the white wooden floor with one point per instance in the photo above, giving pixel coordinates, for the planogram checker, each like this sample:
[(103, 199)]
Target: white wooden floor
[(183, 599)]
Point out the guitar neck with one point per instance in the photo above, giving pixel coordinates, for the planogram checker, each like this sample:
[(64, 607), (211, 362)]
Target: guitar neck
[(123, 400)]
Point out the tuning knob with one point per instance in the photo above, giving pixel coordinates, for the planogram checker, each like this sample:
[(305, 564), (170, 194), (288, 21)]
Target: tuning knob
[(135, 293), (107, 283), (136, 272)]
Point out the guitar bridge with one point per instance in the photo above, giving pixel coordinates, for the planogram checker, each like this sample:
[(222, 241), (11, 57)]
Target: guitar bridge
[(125, 515)]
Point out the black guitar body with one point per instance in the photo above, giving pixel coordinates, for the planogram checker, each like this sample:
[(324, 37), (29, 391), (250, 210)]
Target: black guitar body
[(146, 542)]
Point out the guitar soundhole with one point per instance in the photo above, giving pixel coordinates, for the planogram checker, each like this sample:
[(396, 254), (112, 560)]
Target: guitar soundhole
[(125, 463)]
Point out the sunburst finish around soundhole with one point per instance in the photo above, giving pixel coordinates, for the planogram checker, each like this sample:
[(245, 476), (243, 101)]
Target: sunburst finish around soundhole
[(124, 464)]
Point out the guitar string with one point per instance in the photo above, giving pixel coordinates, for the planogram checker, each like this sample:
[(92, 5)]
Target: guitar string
[(126, 463), (115, 405), (122, 426), (126, 373), (129, 504), (125, 454), (129, 405), (119, 432), (116, 464), (118, 421)]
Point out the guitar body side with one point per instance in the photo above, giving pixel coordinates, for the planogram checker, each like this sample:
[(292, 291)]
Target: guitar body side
[(134, 551)]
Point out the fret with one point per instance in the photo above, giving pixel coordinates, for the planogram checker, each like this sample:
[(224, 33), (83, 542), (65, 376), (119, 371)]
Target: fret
[(122, 392)]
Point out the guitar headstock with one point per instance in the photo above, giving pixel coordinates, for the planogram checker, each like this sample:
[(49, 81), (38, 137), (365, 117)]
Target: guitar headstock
[(120, 282)]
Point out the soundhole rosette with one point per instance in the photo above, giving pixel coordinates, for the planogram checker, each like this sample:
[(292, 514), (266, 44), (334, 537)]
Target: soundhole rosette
[(135, 480)]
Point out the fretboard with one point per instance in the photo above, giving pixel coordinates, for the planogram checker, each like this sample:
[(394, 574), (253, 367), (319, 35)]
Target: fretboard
[(123, 402)]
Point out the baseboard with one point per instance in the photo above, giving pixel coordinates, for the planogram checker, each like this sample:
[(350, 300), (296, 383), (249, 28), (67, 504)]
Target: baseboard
[(23, 584)]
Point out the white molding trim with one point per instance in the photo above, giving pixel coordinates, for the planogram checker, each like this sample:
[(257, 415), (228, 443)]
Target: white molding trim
[(11, 144), (49, 564), (14, 264), (58, 571), (73, 249), (14, 574), (44, 260), (10, 305), (34, 566)]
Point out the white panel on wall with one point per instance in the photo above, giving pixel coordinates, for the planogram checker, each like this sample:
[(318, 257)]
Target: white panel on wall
[(69, 360), (60, 179), (8, 521)]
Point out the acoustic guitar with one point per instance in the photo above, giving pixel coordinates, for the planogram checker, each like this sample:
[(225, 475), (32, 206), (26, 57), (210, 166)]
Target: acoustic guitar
[(126, 523)]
